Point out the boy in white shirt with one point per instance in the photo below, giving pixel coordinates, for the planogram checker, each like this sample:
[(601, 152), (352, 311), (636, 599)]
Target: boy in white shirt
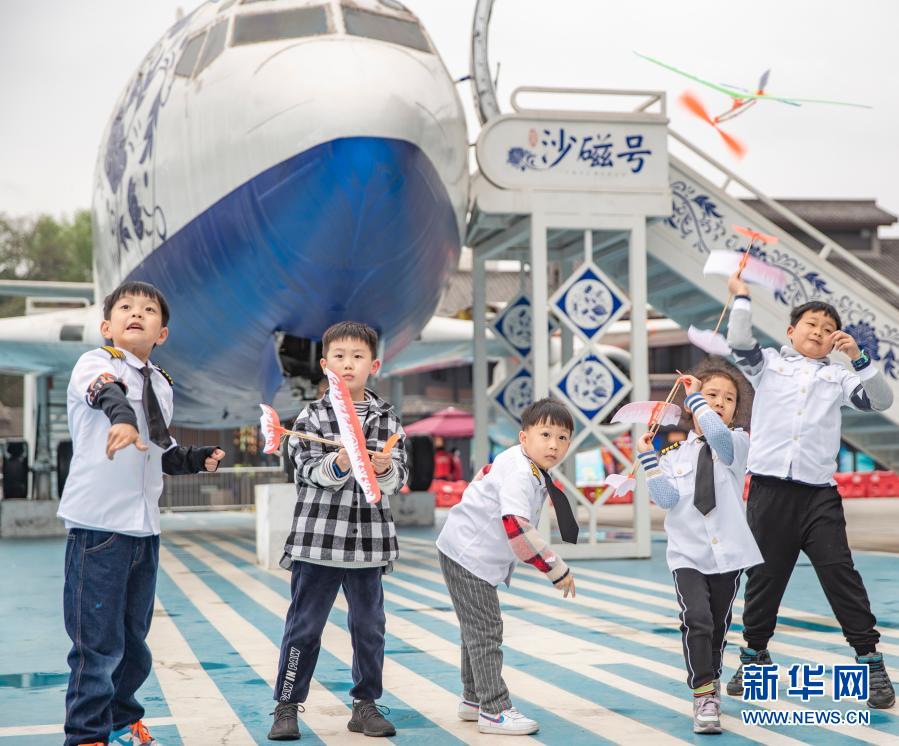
[(699, 481), (117, 398), (793, 501), (485, 535)]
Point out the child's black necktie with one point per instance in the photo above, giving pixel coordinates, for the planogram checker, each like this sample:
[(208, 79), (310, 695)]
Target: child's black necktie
[(568, 527), (704, 491), (159, 433)]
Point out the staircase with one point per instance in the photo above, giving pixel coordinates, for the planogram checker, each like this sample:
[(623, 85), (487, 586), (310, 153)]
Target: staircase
[(701, 220)]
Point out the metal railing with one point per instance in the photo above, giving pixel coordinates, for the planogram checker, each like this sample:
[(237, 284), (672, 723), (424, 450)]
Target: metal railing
[(226, 489)]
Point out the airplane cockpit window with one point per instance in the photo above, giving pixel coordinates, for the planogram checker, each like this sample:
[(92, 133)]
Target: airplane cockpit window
[(215, 45), (252, 28), (385, 28), (188, 59)]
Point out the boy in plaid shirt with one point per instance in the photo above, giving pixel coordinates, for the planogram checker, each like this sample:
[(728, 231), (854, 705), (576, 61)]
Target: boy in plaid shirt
[(338, 539)]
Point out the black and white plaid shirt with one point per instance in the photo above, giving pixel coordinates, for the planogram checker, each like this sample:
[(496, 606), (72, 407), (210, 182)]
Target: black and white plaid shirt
[(332, 520)]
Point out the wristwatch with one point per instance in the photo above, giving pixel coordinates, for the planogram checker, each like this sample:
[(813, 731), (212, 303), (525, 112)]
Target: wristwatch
[(862, 361)]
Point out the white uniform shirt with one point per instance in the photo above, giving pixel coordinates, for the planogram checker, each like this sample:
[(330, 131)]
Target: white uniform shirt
[(121, 495), (796, 416), (473, 534), (721, 540)]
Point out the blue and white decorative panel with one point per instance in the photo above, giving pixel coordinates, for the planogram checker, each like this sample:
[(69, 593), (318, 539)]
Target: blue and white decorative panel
[(592, 385), (515, 394), (588, 301), (513, 325)]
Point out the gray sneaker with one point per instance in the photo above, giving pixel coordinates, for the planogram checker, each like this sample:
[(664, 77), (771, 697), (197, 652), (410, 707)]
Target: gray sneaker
[(706, 714), (285, 726), (367, 719), (748, 656)]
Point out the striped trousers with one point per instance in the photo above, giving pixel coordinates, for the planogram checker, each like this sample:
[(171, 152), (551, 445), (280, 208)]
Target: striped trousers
[(481, 624)]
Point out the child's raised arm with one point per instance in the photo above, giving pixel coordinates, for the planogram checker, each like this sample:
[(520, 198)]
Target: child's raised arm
[(864, 389), (716, 433), (747, 352), (663, 493)]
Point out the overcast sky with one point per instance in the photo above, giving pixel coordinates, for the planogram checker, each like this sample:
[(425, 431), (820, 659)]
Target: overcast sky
[(64, 63)]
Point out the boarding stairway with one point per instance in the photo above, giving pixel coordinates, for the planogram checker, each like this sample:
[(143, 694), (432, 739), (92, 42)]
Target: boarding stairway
[(703, 211), (701, 220)]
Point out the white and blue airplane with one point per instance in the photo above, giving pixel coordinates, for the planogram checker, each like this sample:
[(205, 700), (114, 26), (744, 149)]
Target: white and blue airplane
[(273, 166)]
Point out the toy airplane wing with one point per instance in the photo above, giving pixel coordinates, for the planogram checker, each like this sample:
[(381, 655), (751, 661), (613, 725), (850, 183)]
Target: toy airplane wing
[(799, 101), (752, 270), (709, 341), (352, 437), (792, 101), (720, 88), (648, 413)]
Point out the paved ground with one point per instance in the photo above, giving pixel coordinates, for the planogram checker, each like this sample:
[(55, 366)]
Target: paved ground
[(872, 523), (606, 667)]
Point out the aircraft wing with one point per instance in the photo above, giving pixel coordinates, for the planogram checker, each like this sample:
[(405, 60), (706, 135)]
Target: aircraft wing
[(443, 343), (48, 343)]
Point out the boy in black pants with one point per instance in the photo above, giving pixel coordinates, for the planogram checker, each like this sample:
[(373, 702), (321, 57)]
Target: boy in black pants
[(339, 540), (793, 501)]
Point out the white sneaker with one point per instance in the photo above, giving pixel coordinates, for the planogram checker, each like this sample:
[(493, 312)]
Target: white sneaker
[(508, 723), (468, 710)]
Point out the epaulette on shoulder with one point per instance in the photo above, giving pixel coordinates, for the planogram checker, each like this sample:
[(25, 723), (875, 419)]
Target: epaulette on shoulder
[(114, 352), (672, 447), (164, 374)]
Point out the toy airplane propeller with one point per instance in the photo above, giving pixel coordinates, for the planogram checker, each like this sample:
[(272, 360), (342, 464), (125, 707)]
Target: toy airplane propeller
[(742, 100)]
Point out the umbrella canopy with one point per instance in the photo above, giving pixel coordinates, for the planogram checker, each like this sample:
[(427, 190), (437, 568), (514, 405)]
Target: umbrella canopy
[(449, 423)]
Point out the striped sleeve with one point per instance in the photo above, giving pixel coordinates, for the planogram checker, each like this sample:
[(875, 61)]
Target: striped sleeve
[(328, 474), (663, 493), (717, 434), (530, 547), (746, 350)]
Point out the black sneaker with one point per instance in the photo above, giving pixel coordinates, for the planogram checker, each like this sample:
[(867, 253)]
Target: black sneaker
[(286, 727), (881, 695), (748, 656), (367, 719)]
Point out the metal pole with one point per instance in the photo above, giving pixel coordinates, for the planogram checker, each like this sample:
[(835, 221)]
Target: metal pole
[(396, 394), (481, 445), (42, 464), (639, 372), (540, 310)]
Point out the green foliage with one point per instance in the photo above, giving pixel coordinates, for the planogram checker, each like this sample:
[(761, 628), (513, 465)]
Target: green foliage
[(40, 248), (43, 248)]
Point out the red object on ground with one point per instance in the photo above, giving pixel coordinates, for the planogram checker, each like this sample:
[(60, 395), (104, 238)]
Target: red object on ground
[(447, 494), (883, 484), (449, 422), (852, 483)]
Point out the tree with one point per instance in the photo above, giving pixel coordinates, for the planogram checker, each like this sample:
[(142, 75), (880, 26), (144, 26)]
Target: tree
[(40, 248), (43, 248)]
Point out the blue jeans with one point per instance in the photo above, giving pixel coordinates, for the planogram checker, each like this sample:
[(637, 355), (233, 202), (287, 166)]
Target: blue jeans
[(108, 604), (313, 589)]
